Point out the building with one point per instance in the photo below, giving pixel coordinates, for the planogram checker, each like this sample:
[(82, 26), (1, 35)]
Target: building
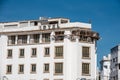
[(105, 67), (115, 63), (110, 65), (98, 74), (47, 49)]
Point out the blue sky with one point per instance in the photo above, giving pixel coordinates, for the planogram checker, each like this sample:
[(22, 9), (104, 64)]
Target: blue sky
[(105, 15)]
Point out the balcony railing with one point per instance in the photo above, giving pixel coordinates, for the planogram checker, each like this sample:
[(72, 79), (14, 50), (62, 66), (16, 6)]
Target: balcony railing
[(45, 40), (22, 41), (11, 42), (32, 41), (59, 38), (81, 36), (46, 37)]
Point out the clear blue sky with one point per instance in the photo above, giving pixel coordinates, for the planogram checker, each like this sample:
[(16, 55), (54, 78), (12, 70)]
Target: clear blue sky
[(105, 15)]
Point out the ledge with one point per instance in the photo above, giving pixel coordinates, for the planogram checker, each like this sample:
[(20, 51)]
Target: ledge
[(58, 74), (86, 75)]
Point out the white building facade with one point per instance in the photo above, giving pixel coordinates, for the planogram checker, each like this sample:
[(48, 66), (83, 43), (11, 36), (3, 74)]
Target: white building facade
[(105, 67), (115, 63), (47, 49)]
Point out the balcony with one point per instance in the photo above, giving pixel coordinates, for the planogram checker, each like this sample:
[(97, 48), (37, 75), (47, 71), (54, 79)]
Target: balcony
[(59, 36), (86, 36), (34, 38), (46, 37), (22, 39), (11, 40), (34, 41)]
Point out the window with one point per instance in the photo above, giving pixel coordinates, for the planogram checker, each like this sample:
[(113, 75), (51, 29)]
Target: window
[(9, 55), (9, 69), (59, 51), (44, 27), (35, 23), (36, 38), (21, 53), (46, 67), (113, 59), (85, 52), (47, 51), (85, 68), (11, 40), (33, 68), (119, 65), (34, 52), (46, 37), (105, 66), (58, 68), (59, 36), (116, 59), (22, 39), (114, 78), (21, 68)]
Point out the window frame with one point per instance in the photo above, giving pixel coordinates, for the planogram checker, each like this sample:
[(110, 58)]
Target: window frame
[(20, 53), (84, 56), (46, 37), (84, 73), (31, 71), (23, 39), (45, 52), (9, 54), (55, 52), (12, 39), (7, 70), (33, 51), (19, 70), (56, 73), (36, 38), (48, 67)]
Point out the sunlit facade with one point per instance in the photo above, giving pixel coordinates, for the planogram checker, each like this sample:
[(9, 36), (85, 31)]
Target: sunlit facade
[(115, 63), (47, 49), (105, 67)]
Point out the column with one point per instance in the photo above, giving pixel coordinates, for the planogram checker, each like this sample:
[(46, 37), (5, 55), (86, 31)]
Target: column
[(67, 35), (59, 21), (67, 51), (40, 39), (28, 23), (16, 39), (77, 38), (28, 39), (18, 24)]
